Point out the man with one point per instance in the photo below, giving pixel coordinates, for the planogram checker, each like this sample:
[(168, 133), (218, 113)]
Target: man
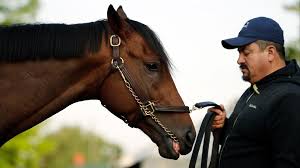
[(264, 129)]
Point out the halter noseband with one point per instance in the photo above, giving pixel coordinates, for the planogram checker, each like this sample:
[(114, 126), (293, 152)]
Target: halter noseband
[(147, 107)]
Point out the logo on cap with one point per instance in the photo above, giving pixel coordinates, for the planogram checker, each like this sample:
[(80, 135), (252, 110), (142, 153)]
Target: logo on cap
[(246, 25)]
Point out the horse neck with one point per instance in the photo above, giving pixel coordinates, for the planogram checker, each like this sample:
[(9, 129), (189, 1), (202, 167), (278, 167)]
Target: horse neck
[(33, 91)]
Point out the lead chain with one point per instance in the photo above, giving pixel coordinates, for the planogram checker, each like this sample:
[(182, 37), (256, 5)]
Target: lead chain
[(142, 106)]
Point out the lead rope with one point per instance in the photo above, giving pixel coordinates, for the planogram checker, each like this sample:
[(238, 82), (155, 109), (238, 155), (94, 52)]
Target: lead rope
[(205, 130)]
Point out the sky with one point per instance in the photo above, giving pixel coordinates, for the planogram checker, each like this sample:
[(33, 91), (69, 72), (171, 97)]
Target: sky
[(191, 32)]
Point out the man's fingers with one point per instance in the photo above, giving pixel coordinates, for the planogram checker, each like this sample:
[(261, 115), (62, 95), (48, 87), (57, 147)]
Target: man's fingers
[(222, 107), (217, 126), (218, 122), (217, 110), (219, 117)]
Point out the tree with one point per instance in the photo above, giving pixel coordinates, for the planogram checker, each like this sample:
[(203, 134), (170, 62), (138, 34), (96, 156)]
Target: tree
[(16, 11), (75, 147), (293, 48), (25, 150)]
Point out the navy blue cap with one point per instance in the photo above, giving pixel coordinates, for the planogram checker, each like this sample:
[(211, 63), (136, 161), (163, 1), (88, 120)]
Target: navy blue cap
[(260, 28)]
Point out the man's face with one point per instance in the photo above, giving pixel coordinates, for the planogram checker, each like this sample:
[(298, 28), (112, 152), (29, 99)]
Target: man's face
[(253, 62)]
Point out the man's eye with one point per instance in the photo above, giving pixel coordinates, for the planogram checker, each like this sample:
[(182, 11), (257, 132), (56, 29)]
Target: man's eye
[(246, 53)]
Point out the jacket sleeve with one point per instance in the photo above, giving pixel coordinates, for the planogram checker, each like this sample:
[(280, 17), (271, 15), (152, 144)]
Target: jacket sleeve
[(285, 132)]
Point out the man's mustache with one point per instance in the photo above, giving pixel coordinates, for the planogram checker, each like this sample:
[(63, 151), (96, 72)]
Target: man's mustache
[(243, 66)]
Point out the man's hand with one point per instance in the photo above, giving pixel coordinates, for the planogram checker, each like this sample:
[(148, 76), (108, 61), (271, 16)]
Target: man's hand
[(219, 120)]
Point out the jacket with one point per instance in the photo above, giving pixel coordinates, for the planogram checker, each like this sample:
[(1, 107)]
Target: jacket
[(264, 128)]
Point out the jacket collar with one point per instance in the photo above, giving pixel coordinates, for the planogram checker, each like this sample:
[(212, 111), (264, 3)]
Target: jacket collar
[(291, 69)]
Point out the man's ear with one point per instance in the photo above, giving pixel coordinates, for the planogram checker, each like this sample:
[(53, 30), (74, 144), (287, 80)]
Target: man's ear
[(272, 52), (118, 22)]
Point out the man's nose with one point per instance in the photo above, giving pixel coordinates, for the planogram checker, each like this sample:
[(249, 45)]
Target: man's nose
[(240, 59)]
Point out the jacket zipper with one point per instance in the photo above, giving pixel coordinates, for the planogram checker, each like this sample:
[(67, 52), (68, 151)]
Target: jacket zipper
[(231, 130)]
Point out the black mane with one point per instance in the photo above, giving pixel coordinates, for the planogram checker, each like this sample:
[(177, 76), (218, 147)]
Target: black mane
[(44, 41), (61, 41), (151, 38)]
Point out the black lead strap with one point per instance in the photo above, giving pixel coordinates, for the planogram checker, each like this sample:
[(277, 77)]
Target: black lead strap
[(205, 130)]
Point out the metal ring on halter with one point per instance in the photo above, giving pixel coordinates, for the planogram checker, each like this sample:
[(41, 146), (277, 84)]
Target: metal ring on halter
[(116, 63), (111, 41)]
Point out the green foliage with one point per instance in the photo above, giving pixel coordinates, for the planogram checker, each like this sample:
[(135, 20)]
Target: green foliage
[(73, 141), (17, 11), (58, 149), (25, 150), (294, 7), (293, 48)]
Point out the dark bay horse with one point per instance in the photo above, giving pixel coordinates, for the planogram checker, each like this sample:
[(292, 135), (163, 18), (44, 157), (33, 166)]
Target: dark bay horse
[(46, 67)]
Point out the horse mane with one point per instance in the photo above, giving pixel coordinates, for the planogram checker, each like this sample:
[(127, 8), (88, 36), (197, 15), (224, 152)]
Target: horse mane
[(61, 41), (43, 41), (152, 39)]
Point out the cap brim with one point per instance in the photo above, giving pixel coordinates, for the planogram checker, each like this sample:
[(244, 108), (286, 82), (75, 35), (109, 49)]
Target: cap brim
[(237, 42)]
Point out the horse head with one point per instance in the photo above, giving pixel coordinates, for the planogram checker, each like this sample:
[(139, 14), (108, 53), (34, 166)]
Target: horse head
[(139, 88)]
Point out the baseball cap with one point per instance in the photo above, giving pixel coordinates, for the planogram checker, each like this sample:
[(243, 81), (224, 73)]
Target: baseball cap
[(260, 28)]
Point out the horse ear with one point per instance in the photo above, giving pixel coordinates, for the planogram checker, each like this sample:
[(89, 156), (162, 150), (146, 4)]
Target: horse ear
[(113, 18), (117, 22), (121, 13)]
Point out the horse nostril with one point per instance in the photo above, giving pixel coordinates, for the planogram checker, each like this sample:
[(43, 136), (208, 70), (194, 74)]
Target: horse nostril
[(190, 137)]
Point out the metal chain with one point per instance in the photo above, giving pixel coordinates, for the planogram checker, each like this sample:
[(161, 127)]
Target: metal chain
[(170, 133), (145, 108), (128, 85)]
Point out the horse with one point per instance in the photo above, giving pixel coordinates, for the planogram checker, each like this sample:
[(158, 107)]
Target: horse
[(121, 62)]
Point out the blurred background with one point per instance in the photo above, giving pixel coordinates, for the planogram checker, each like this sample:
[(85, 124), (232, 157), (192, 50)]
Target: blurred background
[(85, 135)]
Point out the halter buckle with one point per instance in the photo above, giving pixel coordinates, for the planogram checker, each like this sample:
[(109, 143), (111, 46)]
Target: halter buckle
[(115, 40)]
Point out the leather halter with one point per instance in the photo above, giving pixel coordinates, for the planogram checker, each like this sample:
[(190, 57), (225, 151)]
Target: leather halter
[(147, 107)]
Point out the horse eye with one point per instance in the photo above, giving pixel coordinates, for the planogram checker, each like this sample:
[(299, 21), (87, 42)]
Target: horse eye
[(152, 66)]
